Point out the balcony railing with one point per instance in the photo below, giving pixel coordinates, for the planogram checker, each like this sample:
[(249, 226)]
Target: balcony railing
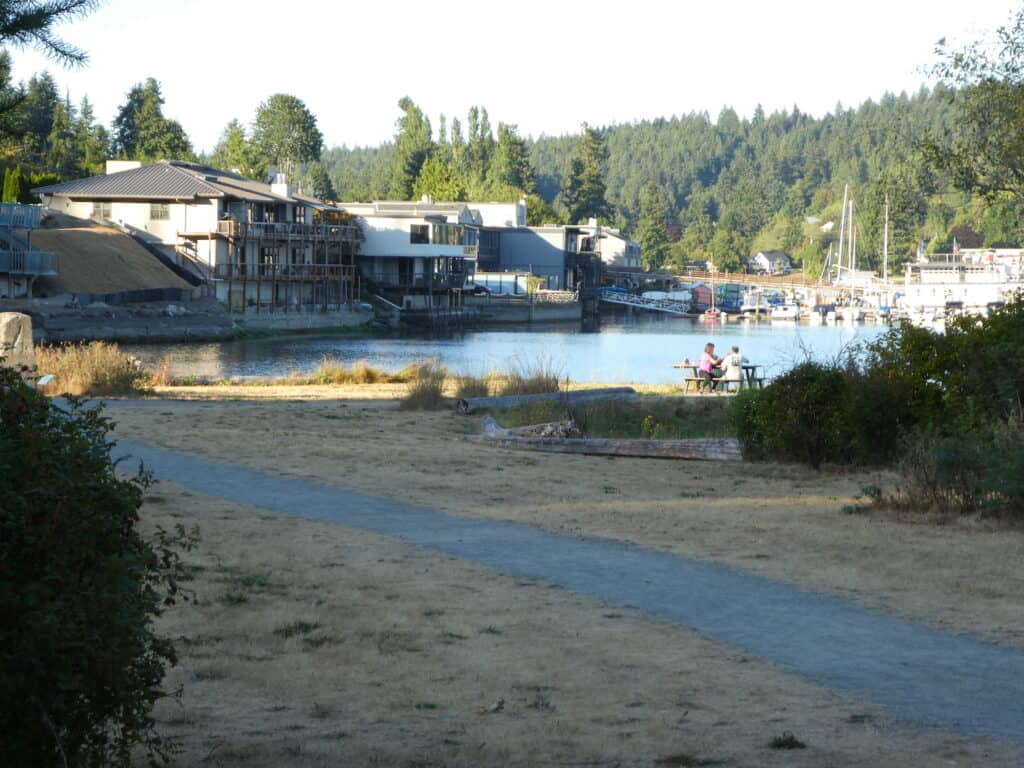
[(285, 230), (285, 272), (19, 216), (433, 282), (20, 262)]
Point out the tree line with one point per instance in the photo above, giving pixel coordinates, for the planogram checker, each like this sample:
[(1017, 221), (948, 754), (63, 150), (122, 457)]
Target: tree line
[(689, 187)]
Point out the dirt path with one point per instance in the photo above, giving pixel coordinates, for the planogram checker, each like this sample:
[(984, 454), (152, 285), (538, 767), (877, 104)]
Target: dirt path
[(921, 675)]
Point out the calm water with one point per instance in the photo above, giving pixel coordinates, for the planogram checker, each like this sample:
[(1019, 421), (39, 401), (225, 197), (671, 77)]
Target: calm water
[(630, 350)]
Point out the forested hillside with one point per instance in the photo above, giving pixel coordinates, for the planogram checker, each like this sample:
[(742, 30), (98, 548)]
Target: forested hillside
[(730, 186), (690, 187)]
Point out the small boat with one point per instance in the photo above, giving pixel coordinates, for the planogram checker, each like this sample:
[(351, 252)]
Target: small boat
[(852, 314), (787, 311), (711, 314)]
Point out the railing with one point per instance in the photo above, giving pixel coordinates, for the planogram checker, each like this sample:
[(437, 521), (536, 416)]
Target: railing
[(18, 262), (285, 272), (19, 216), (671, 306), (434, 282), (286, 229)]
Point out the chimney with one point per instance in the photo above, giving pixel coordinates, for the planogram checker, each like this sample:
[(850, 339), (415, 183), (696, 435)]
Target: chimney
[(279, 185)]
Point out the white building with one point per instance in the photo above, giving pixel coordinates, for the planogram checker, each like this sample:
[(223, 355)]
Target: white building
[(258, 244)]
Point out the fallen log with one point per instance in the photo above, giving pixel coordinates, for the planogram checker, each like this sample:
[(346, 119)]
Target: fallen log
[(469, 405), (705, 449)]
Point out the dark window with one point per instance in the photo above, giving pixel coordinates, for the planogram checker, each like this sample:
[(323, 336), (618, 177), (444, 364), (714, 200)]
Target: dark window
[(419, 234)]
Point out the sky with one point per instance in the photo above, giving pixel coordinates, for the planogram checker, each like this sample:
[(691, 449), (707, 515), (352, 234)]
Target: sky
[(546, 67)]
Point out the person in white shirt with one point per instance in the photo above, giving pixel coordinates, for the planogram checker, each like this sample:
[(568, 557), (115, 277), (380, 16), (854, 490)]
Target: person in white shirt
[(732, 368)]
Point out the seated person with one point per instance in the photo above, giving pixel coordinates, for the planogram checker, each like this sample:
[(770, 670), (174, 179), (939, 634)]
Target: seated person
[(732, 365), (708, 364)]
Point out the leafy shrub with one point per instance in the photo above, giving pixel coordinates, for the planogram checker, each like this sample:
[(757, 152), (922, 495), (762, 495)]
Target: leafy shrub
[(426, 387), (802, 416), (95, 368), (80, 666)]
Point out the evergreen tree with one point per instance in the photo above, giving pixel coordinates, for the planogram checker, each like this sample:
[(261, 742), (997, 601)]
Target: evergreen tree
[(36, 115), (234, 152), (285, 134), (141, 132), (91, 141), (413, 146), (583, 193), (440, 181), (61, 155), (26, 23), (315, 181), (651, 231), (510, 165)]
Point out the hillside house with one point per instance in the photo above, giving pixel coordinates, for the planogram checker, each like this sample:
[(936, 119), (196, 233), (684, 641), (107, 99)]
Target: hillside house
[(259, 245), (770, 263)]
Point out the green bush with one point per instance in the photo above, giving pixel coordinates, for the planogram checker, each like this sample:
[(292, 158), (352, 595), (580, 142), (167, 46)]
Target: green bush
[(80, 666), (803, 416)]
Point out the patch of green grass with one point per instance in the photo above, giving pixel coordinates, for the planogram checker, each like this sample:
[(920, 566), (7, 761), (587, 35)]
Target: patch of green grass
[(209, 674), (234, 598), (786, 740), (490, 629), (657, 418), (425, 705), (296, 628), (320, 641)]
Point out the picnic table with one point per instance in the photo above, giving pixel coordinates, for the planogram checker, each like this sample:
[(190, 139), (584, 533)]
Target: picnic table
[(694, 384)]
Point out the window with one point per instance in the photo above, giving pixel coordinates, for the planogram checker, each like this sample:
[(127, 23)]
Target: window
[(101, 210), (159, 212), (447, 234), (419, 234)]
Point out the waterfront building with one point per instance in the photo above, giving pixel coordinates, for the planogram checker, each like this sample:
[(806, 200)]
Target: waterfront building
[(256, 246)]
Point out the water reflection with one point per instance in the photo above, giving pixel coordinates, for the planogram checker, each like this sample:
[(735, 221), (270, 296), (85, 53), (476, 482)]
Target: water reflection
[(639, 349)]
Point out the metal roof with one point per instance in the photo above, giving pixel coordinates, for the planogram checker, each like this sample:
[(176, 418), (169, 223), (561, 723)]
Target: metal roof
[(169, 180), (161, 181)]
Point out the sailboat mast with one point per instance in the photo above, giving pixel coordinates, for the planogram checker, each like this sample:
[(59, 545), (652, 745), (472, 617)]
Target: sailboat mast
[(853, 242), (842, 229), (885, 243)]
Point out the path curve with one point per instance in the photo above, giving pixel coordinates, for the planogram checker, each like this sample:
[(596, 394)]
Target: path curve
[(924, 676)]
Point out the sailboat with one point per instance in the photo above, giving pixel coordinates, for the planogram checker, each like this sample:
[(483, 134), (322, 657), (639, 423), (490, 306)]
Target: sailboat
[(711, 313)]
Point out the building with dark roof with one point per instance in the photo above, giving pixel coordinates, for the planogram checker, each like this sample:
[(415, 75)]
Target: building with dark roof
[(262, 246)]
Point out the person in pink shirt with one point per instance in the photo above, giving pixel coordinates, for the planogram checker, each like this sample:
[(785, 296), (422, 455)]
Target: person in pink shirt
[(707, 365)]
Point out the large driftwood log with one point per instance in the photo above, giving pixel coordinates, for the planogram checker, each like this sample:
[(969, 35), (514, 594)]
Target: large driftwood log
[(472, 404), (708, 449)]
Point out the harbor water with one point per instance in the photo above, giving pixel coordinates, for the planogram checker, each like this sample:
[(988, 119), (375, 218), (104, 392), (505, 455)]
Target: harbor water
[(638, 350)]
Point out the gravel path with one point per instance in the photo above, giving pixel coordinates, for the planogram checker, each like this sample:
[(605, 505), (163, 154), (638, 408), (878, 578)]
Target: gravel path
[(923, 676)]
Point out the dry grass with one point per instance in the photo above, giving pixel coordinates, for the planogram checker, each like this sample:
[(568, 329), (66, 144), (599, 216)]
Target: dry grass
[(333, 371), (96, 368), (539, 377), (784, 522), (351, 648), (426, 388)]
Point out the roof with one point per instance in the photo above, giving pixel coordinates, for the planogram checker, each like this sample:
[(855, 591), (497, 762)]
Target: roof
[(170, 181)]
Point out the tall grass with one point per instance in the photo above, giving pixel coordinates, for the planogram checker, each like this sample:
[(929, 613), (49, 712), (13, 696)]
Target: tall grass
[(333, 371), (426, 387), (95, 368), (539, 377)]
